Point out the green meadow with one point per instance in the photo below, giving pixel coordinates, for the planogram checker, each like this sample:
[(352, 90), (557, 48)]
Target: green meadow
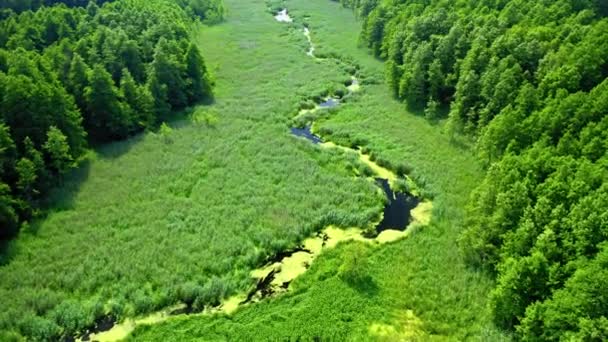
[(185, 214), (420, 287)]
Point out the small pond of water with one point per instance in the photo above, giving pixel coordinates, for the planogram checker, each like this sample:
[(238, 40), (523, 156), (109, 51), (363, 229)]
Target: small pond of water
[(307, 134), (283, 16), (329, 103), (397, 212)]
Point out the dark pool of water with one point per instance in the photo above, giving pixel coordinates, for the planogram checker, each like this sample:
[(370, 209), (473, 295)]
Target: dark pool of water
[(102, 324), (306, 133), (329, 103), (397, 212)]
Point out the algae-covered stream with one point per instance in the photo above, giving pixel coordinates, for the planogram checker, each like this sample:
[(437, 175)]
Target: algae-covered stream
[(403, 213)]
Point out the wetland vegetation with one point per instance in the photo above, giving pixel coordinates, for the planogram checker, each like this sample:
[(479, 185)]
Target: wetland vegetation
[(303, 170)]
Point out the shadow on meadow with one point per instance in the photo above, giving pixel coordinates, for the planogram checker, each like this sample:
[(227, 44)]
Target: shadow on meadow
[(61, 197), (365, 285)]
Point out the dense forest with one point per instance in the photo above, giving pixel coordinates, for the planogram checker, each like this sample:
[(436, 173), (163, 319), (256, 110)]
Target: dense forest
[(528, 80), (209, 10), (71, 76)]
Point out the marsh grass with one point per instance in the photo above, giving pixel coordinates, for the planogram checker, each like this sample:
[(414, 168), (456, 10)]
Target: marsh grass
[(185, 212), (151, 223), (424, 275)]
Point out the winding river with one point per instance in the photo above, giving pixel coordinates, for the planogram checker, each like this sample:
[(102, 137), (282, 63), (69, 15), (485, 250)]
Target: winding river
[(403, 213)]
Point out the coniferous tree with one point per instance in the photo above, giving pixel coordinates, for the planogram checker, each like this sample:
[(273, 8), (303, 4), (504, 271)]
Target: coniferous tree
[(166, 70), (8, 216), (138, 99), (104, 115), (78, 80), (196, 71), (58, 150)]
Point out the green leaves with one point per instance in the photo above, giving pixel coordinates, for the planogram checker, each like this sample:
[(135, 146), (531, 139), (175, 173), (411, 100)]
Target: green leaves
[(58, 150)]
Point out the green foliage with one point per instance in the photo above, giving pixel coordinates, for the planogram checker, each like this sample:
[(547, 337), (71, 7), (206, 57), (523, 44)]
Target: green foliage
[(105, 116), (423, 273), (354, 265), (165, 132), (204, 117), (577, 311), (71, 316), (39, 329), (8, 215), (431, 112), (58, 150), (196, 71)]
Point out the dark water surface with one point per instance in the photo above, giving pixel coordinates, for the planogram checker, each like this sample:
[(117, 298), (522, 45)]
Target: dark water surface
[(329, 103), (306, 133), (397, 212)]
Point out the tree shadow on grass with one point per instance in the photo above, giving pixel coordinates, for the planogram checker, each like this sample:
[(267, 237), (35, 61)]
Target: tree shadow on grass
[(116, 149), (7, 252), (176, 119), (364, 285), (61, 197)]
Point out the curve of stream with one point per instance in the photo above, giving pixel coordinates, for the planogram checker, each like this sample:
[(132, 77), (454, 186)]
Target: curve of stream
[(403, 213)]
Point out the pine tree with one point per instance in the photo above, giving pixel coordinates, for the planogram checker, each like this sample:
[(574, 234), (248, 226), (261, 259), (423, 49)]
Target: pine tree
[(196, 72), (431, 112), (167, 71), (159, 93), (7, 150), (26, 178), (31, 153), (58, 150), (105, 116), (8, 216), (78, 80), (138, 99), (436, 80)]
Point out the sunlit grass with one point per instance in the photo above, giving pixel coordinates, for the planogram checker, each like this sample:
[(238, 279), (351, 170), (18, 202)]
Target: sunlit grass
[(419, 288), (199, 204)]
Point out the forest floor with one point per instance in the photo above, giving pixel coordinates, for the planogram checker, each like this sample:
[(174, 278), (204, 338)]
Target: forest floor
[(207, 204)]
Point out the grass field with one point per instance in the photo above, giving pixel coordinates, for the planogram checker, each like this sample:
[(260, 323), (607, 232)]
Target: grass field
[(151, 220), (421, 288)]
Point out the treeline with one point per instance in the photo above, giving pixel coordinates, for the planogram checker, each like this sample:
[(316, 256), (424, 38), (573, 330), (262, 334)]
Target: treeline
[(209, 10), (528, 79), (70, 76)]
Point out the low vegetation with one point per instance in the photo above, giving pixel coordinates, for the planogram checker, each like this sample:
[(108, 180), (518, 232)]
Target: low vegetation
[(419, 287)]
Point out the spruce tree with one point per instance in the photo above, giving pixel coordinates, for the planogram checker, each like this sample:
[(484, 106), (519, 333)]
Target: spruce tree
[(196, 72)]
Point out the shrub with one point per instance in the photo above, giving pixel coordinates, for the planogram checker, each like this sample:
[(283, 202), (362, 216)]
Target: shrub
[(354, 264), (401, 185), (165, 133), (39, 329), (71, 316), (142, 302), (189, 292)]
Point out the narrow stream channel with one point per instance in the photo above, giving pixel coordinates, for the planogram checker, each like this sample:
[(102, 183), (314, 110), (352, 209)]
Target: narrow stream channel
[(403, 212)]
